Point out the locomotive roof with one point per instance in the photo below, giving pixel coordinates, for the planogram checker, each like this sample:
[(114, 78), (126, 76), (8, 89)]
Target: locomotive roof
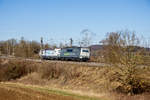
[(74, 47)]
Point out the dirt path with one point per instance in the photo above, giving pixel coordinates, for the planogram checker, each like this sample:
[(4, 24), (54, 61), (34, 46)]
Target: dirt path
[(10, 91)]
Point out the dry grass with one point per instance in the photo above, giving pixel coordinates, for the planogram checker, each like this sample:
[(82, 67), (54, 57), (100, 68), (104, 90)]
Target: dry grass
[(13, 69), (75, 77), (13, 92), (144, 96)]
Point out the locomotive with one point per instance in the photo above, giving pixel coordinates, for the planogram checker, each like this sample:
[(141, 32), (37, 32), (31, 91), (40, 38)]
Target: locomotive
[(67, 53)]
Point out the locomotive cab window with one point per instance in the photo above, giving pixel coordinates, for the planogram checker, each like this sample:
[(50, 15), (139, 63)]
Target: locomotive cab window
[(85, 50)]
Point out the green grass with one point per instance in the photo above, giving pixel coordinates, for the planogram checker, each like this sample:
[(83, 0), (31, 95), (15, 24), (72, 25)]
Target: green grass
[(62, 93), (57, 92)]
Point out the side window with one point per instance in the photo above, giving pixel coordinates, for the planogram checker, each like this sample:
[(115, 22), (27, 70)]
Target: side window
[(69, 50)]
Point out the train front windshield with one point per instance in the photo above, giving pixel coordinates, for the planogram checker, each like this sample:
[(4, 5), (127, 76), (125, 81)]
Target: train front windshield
[(85, 50)]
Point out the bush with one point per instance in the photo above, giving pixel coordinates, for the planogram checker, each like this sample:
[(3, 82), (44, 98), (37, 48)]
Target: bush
[(15, 69), (51, 71), (57, 70)]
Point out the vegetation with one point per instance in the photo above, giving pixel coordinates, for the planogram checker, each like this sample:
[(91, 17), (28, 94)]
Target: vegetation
[(12, 70), (21, 48), (123, 52), (75, 76), (17, 91), (128, 72)]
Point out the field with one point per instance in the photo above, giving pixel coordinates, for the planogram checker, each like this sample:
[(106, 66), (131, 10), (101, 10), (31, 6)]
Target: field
[(31, 80), (13, 91)]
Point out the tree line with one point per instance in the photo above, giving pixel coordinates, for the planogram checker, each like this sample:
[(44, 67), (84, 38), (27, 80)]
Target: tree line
[(115, 43), (21, 48)]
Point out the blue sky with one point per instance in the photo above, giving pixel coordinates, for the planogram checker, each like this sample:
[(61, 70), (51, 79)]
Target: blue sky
[(59, 20)]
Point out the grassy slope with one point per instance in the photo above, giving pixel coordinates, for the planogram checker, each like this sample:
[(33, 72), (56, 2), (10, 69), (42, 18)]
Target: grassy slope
[(27, 92), (87, 79)]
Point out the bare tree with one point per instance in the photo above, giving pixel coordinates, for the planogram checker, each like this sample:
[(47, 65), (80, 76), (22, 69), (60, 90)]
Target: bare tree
[(87, 37), (122, 51)]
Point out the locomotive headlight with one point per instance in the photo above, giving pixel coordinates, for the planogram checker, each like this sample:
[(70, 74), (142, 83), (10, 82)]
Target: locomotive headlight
[(81, 57)]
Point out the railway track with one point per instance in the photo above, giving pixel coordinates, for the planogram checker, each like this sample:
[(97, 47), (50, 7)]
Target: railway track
[(58, 61)]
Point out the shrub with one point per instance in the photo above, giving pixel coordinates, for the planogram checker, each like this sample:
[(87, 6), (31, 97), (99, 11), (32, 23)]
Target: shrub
[(57, 70), (15, 69), (51, 71)]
